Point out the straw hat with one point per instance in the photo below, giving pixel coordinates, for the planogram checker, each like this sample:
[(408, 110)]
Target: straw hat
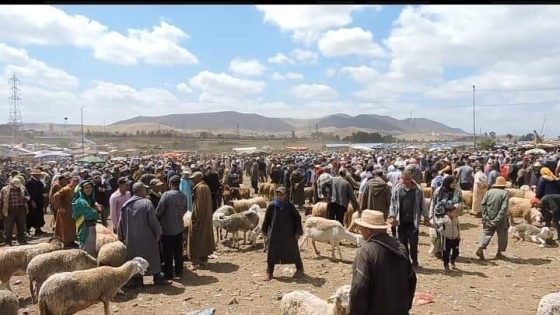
[(372, 219), (36, 172), (500, 182)]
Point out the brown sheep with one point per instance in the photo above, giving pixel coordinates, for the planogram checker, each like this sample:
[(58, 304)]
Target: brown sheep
[(319, 209), (521, 208)]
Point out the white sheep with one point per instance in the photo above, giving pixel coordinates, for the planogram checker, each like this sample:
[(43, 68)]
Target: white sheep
[(9, 303), (45, 265), (243, 221), (70, 292), (14, 260), (305, 303), (112, 254), (220, 213), (103, 236), (255, 233), (328, 231)]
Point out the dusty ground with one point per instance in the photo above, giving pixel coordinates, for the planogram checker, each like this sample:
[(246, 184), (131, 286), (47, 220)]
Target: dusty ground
[(233, 281)]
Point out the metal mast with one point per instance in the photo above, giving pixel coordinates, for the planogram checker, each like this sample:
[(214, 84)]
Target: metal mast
[(15, 107)]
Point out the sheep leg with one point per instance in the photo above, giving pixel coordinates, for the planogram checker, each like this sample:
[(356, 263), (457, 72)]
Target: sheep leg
[(314, 247), (304, 238), (244, 237), (339, 252), (332, 246), (106, 307), (32, 290)]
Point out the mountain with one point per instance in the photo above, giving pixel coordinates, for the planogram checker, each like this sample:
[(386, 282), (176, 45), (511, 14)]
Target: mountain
[(223, 121), (229, 120)]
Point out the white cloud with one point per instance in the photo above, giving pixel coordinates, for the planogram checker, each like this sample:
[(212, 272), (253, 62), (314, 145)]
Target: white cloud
[(349, 41), (48, 25), (184, 88), (280, 58), (330, 72), (250, 67), (361, 74), (305, 55), (315, 92), (33, 71), (224, 84), (307, 21), (288, 76)]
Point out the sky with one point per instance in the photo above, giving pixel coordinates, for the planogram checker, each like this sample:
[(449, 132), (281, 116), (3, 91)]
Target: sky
[(299, 61)]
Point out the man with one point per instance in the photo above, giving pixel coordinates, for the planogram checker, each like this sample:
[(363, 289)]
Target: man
[(465, 176), (117, 200), (101, 197), (323, 192), (550, 209), (139, 230), (378, 196), (13, 203), (296, 191), (383, 280), (494, 209), (254, 172), (186, 187), (407, 208), (155, 191), (341, 194), (282, 225), (65, 226), (277, 174), (36, 190), (213, 180), (234, 177), (201, 236), (170, 210)]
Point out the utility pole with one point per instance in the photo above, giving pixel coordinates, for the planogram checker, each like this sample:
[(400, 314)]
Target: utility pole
[(82, 120), (474, 116), (15, 108)]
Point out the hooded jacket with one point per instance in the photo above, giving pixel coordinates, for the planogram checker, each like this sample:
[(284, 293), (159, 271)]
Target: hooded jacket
[(377, 196)]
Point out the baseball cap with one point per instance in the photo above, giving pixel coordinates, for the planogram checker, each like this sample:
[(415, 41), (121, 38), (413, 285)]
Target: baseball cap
[(123, 180), (281, 189), (137, 186), (175, 179)]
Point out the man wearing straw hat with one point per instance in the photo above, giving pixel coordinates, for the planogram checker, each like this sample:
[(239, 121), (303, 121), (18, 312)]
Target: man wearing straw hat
[(494, 209), (383, 280)]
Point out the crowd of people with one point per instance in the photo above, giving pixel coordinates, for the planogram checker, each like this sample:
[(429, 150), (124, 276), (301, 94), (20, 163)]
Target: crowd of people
[(144, 202)]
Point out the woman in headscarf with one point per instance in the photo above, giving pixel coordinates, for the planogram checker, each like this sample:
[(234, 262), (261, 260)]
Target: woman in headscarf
[(479, 189), (548, 183), (85, 214), (447, 194)]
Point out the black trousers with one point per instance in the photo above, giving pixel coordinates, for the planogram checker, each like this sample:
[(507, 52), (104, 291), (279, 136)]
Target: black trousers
[(172, 251), (215, 200), (408, 236), (255, 184), (336, 212), (15, 216), (450, 248)]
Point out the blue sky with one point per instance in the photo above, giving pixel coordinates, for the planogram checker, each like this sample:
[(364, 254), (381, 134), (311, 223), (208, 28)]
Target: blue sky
[(284, 61)]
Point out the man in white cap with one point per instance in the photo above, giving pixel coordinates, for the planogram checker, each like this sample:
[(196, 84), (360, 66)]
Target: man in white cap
[(13, 204), (384, 280), (494, 209)]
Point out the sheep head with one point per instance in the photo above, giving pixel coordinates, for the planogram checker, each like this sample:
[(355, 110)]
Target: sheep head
[(341, 297), (57, 242), (141, 264), (537, 218)]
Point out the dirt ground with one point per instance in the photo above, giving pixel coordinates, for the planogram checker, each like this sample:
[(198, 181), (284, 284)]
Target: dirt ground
[(232, 283)]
